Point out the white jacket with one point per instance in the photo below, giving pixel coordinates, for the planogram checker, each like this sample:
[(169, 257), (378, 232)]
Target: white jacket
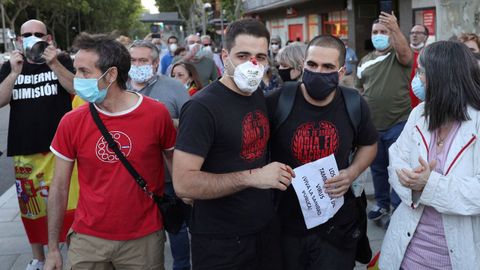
[(456, 195)]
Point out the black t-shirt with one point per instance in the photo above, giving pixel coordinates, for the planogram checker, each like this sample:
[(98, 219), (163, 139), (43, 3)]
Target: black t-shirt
[(310, 133), (38, 103), (230, 132)]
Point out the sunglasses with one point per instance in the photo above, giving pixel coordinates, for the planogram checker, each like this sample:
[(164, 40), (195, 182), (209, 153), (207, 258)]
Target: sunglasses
[(37, 34)]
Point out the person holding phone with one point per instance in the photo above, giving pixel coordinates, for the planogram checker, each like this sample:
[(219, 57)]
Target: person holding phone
[(39, 94), (383, 76)]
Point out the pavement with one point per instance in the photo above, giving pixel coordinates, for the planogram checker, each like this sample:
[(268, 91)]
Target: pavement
[(15, 251)]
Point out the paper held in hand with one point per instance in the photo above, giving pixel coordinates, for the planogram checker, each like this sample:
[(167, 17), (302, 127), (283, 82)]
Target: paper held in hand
[(317, 207)]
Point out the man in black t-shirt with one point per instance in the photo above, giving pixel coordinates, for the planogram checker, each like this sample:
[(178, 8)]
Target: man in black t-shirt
[(39, 95), (319, 125), (220, 161)]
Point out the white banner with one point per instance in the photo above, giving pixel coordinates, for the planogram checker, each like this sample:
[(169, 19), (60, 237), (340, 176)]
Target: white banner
[(317, 206)]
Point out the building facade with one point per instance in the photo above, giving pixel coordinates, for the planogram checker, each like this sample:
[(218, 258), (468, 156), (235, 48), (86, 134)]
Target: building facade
[(301, 20)]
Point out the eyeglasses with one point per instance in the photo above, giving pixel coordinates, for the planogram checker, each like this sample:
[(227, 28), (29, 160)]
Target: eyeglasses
[(417, 33), (37, 34)]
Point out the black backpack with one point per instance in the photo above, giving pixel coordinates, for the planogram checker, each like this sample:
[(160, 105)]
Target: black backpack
[(353, 104), (287, 99)]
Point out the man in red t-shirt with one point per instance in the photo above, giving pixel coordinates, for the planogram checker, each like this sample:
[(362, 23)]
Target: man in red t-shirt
[(116, 225), (418, 40)]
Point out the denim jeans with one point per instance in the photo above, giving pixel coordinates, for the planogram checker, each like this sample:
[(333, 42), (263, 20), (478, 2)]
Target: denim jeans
[(179, 243), (379, 166)]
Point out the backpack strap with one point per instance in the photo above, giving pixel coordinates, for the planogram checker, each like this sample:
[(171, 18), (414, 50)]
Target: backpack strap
[(285, 104), (353, 104)]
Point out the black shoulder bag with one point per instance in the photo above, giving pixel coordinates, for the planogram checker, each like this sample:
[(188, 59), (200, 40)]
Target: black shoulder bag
[(170, 207)]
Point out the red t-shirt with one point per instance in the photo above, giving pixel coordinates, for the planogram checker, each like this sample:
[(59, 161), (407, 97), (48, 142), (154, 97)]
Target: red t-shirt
[(111, 205), (414, 100)]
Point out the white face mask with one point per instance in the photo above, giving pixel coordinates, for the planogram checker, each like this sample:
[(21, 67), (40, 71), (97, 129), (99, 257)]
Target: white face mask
[(275, 47), (140, 74), (207, 48), (191, 46), (173, 47), (247, 76), (187, 84), (417, 47)]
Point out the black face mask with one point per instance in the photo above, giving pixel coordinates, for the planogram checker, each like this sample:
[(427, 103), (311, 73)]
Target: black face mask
[(285, 74), (319, 85)]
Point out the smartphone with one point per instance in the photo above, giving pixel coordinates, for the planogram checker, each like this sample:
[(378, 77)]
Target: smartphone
[(386, 6), (155, 35)]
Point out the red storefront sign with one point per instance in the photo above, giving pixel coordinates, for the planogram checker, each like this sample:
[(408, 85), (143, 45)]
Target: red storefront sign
[(429, 20)]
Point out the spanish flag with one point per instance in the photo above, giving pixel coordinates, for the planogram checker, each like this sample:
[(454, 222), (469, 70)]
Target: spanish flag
[(373, 265)]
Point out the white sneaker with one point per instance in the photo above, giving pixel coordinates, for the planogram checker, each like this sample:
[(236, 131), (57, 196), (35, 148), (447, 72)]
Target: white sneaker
[(35, 265)]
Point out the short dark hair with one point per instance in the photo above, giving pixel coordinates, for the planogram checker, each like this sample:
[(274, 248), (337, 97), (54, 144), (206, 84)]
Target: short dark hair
[(427, 33), (172, 37), (249, 27), (111, 53), (452, 82), (329, 41)]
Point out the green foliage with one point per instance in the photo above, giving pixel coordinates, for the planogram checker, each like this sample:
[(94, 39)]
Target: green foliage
[(233, 9), (229, 8), (66, 18), (185, 8)]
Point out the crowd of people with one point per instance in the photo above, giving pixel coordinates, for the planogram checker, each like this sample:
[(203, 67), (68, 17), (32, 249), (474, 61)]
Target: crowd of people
[(203, 124)]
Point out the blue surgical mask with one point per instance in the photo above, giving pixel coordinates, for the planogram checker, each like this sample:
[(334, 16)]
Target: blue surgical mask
[(380, 42), (29, 41), (88, 90), (140, 74), (418, 88)]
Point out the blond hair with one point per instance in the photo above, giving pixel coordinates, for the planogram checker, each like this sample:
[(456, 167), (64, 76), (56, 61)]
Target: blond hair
[(292, 55)]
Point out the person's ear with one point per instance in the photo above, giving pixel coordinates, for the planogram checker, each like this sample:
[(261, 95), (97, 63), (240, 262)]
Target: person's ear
[(224, 55), (112, 75), (155, 65), (341, 72)]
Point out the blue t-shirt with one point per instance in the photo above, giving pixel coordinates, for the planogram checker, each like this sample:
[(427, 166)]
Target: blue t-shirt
[(165, 62), (349, 58)]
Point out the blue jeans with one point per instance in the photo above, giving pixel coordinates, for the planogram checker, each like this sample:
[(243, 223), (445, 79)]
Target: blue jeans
[(179, 243), (379, 166)]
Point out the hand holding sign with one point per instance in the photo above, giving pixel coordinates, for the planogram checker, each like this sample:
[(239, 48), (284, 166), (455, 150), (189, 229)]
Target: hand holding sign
[(338, 185), (309, 184)]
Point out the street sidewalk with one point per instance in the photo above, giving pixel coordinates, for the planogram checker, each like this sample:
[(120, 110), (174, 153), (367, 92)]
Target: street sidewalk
[(15, 251)]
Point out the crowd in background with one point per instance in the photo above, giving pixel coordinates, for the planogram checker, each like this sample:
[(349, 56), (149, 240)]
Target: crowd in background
[(417, 132)]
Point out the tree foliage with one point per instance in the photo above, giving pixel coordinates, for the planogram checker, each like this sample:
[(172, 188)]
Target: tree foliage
[(190, 11), (66, 18), (233, 9)]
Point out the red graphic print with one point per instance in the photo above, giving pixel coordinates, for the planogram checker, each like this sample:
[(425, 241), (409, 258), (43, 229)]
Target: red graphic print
[(312, 141), (105, 154), (255, 134)]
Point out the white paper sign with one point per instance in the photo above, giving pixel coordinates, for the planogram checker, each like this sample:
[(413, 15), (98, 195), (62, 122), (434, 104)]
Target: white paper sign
[(317, 206)]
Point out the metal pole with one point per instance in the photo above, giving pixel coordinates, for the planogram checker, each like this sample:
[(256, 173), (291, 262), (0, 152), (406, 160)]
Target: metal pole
[(221, 26), (204, 22), (3, 26), (79, 24)]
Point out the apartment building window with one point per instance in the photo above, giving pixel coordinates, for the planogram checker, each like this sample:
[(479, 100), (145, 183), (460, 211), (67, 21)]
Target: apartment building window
[(335, 23)]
